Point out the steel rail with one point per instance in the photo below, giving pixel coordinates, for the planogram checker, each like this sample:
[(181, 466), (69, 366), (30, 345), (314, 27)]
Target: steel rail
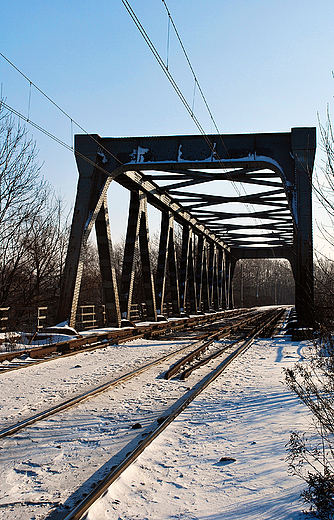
[(186, 373), (10, 430), (77, 512), (116, 335), (219, 335), (90, 348), (103, 339)]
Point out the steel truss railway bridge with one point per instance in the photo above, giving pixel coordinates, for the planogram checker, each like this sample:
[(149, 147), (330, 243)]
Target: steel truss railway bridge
[(184, 178)]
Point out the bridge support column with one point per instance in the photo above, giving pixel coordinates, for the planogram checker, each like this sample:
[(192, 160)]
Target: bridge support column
[(303, 153), (187, 278), (108, 274), (173, 271), (167, 253), (205, 279), (230, 266), (211, 263), (91, 192), (191, 277), (137, 235), (162, 262), (215, 285), (199, 271), (221, 279), (202, 289)]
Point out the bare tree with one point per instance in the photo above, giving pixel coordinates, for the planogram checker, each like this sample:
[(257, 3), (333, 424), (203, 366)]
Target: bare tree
[(263, 282), (32, 228), (311, 455), (324, 179)]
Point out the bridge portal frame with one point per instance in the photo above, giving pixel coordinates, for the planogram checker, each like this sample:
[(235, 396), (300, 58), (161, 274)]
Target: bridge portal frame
[(101, 160)]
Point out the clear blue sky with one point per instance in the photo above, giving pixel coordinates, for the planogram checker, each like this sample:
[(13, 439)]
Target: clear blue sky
[(264, 66)]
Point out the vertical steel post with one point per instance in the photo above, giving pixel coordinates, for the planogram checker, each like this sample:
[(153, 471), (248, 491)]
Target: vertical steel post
[(215, 286), (205, 284), (199, 271), (137, 231), (210, 273), (130, 251), (162, 262), (108, 274), (230, 266), (186, 238), (192, 278), (221, 279), (173, 272), (167, 253), (145, 254), (91, 191), (303, 146), (187, 273)]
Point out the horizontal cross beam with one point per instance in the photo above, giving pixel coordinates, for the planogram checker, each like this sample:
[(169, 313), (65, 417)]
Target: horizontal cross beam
[(135, 181)]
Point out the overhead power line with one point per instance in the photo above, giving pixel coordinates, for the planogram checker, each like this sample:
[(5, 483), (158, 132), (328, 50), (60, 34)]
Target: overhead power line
[(35, 125), (165, 69), (170, 77), (171, 80), (54, 137), (180, 94), (203, 97), (190, 66)]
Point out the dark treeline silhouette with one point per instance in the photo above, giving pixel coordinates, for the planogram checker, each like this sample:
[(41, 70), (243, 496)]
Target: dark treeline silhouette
[(33, 229), (263, 282)]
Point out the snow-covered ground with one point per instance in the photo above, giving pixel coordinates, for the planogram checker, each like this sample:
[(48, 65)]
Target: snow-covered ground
[(247, 414)]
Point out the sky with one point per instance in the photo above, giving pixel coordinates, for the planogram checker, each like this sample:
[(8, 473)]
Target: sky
[(263, 65)]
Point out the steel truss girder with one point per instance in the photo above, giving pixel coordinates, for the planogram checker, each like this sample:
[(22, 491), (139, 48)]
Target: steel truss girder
[(167, 253), (137, 244), (252, 158), (199, 200), (108, 274), (157, 197), (246, 176), (272, 214)]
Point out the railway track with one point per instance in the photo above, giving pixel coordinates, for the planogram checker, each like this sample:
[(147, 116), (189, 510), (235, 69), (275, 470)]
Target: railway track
[(90, 341), (77, 512), (164, 417), (197, 348)]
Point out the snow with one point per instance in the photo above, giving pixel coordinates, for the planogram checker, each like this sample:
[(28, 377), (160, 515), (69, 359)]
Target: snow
[(138, 156), (45, 385), (10, 342), (247, 414)]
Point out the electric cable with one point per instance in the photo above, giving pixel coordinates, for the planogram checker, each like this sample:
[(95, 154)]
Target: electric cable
[(208, 109), (179, 93), (53, 103), (170, 78)]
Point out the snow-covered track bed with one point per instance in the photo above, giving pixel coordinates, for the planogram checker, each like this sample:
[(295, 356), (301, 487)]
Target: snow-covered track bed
[(197, 349), (86, 395), (92, 340), (183, 402), (87, 441)]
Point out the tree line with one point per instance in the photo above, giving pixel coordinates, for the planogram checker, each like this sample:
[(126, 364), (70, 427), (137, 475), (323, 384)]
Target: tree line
[(33, 230)]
